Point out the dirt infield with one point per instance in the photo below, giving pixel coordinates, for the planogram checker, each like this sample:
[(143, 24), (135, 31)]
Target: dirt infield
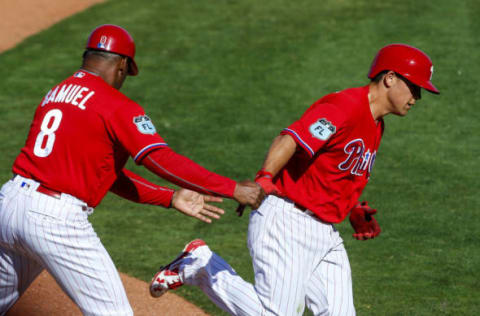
[(44, 298), (18, 20), (22, 18)]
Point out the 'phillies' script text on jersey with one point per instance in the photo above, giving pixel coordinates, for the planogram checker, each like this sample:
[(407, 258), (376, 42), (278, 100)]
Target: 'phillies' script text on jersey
[(358, 160)]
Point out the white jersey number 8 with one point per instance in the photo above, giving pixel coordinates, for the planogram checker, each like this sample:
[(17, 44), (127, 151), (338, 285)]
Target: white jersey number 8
[(48, 132)]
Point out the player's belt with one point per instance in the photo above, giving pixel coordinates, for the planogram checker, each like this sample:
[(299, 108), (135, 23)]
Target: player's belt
[(304, 209), (301, 208), (43, 189)]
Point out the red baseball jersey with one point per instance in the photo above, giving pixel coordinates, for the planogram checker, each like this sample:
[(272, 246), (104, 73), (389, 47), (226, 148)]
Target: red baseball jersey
[(81, 136), (340, 138)]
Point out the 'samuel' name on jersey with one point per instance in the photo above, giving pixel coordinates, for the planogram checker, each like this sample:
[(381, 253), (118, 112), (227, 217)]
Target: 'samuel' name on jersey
[(73, 94)]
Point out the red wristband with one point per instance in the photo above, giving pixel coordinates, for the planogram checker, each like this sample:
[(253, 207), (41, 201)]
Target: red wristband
[(262, 173)]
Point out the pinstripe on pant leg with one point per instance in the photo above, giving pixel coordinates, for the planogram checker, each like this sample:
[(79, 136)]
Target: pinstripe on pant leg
[(287, 246), (75, 257), (56, 234), (283, 255), (218, 280), (16, 275), (331, 285), (17, 271)]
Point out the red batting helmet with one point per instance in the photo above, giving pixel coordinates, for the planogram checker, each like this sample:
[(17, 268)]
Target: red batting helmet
[(114, 39), (407, 61)]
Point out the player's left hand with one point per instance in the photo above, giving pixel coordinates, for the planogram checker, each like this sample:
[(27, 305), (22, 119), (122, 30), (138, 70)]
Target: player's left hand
[(194, 204), (363, 222)]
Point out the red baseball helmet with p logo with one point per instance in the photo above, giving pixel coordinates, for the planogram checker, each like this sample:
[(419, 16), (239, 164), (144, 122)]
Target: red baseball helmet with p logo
[(114, 39), (408, 61)]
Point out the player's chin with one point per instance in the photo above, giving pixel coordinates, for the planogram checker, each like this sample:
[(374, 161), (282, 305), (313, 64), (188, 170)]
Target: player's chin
[(403, 111)]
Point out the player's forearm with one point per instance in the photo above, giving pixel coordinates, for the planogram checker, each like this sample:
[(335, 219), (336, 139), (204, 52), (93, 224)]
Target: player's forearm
[(135, 188), (184, 172), (282, 149)]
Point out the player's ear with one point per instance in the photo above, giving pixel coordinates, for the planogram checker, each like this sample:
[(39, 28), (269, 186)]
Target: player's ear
[(120, 66), (120, 72), (389, 79), (123, 65)]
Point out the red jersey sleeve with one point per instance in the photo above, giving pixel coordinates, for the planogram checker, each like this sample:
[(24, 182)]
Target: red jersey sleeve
[(186, 173), (134, 130), (320, 123), (135, 188)]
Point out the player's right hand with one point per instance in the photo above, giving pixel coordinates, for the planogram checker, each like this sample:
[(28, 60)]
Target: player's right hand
[(249, 193), (264, 179)]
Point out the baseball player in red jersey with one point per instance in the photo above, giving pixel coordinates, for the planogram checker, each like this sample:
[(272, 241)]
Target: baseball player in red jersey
[(314, 174), (83, 132)]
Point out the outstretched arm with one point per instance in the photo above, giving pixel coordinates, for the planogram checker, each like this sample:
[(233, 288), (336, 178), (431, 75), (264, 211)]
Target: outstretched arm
[(132, 187), (135, 188), (194, 204), (184, 172)]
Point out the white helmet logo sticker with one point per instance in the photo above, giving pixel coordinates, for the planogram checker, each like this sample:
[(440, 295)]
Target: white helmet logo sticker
[(102, 42)]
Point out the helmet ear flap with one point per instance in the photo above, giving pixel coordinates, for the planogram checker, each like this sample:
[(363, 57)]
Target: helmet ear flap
[(114, 39), (408, 61)]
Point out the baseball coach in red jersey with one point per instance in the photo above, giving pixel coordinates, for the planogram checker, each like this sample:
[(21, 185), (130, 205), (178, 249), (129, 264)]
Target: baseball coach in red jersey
[(314, 174), (83, 132)]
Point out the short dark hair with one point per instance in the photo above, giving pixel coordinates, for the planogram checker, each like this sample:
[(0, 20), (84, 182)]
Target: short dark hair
[(379, 76), (416, 91), (100, 53)]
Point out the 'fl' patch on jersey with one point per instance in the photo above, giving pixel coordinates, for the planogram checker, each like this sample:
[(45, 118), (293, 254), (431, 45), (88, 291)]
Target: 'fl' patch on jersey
[(322, 129), (144, 124)]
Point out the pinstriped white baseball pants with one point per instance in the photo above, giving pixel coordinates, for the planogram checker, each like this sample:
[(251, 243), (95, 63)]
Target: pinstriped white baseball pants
[(298, 261), (41, 232)]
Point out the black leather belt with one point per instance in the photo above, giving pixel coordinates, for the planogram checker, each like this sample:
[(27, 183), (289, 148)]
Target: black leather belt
[(305, 210), (301, 208)]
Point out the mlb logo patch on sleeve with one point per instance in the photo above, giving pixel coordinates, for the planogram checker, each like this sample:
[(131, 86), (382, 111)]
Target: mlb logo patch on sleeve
[(322, 129), (144, 124)]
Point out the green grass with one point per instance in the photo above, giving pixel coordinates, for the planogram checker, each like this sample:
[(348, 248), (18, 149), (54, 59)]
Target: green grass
[(220, 79)]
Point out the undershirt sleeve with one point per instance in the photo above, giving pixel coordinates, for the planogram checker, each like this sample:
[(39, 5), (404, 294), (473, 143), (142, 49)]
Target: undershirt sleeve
[(136, 189), (186, 173)]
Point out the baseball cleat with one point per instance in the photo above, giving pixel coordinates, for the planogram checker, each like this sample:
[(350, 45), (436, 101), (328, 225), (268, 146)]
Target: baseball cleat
[(167, 278)]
